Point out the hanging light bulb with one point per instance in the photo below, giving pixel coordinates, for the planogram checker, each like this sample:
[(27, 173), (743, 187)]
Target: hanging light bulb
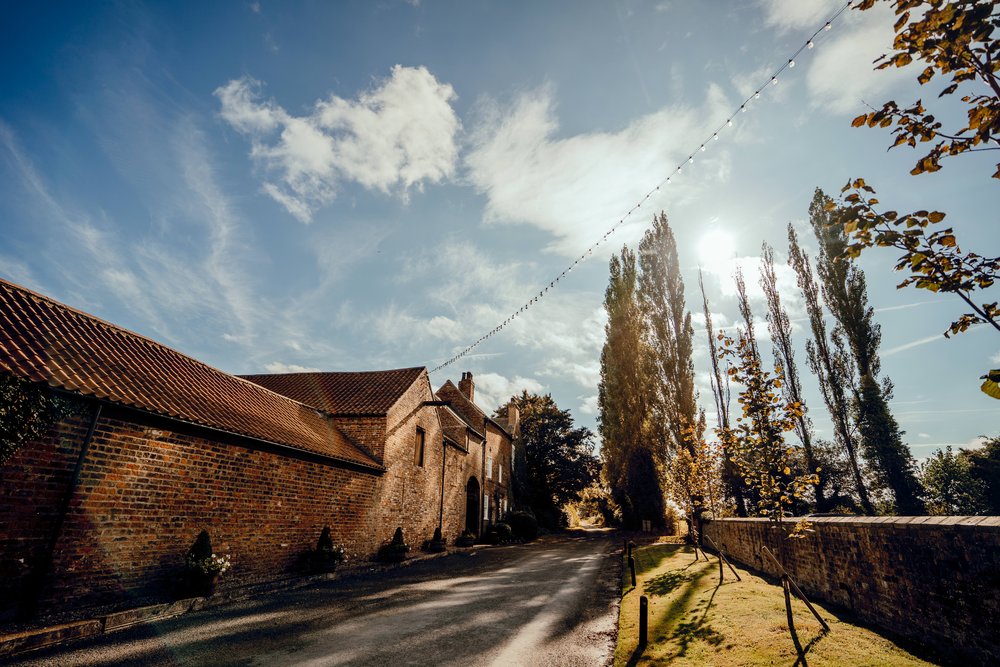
[(715, 137), (690, 159), (756, 95), (703, 148), (678, 170), (827, 26), (810, 44), (743, 108), (774, 81), (791, 63), (729, 123)]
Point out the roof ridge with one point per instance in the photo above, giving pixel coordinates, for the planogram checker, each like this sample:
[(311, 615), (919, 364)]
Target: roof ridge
[(387, 370)]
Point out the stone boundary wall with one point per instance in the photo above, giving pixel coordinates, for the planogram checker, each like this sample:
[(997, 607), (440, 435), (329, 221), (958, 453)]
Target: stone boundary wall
[(934, 580)]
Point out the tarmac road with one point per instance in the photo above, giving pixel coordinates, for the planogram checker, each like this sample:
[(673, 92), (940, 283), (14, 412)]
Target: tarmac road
[(552, 602)]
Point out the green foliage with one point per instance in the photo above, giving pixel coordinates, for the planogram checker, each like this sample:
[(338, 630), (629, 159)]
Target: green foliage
[(931, 257), (952, 39), (984, 464), (668, 334), (890, 459), (623, 400), (523, 525), (327, 553), (559, 457), (950, 485), (766, 462), (845, 292), (780, 328), (201, 560), (27, 412)]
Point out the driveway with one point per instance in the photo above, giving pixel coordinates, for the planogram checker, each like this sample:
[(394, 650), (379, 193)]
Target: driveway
[(552, 602)]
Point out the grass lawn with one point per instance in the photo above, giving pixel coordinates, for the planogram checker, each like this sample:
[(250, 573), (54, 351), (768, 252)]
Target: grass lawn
[(695, 621)]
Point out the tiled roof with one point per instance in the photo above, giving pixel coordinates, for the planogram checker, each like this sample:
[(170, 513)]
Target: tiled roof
[(357, 392), (45, 341), (467, 409)]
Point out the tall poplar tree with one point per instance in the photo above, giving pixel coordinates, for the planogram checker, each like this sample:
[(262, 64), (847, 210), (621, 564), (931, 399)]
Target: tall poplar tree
[(732, 482), (846, 295), (831, 365), (780, 328), (629, 464), (668, 334)]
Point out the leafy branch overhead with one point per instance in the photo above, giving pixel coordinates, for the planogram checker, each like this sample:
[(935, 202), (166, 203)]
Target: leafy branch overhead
[(932, 257), (952, 39)]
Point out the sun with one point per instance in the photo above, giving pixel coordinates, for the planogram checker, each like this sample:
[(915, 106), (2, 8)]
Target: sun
[(716, 249)]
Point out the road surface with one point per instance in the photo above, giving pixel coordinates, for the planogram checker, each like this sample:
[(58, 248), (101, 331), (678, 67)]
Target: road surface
[(553, 602)]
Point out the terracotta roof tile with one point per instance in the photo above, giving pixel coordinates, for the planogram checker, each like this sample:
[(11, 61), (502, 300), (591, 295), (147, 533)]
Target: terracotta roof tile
[(466, 409), (354, 392), (45, 341)]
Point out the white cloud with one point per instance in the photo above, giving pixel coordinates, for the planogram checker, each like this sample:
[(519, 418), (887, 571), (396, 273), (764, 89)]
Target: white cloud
[(577, 187), (396, 136), (281, 367), (995, 358), (589, 405), (842, 76), (492, 389), (788, 15)]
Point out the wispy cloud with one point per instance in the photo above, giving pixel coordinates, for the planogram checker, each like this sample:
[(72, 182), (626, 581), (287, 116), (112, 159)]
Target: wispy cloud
[(576, 187), (281, 367), (912, 344), (396, 136)]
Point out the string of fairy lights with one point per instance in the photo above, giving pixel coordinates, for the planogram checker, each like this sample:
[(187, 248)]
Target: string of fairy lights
[(678, 170)]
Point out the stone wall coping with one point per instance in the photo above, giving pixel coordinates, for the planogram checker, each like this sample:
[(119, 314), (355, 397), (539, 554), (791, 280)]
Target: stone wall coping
[(991, 522)]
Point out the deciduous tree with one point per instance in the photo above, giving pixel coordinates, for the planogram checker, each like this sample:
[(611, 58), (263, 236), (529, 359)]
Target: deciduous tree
[(780, 328), (559, 456)]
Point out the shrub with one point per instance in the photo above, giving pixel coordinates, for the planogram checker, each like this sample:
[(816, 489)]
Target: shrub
[(436, 544), (201, 561), (327, 555), (395, 551), (466, 539), (522, 524)]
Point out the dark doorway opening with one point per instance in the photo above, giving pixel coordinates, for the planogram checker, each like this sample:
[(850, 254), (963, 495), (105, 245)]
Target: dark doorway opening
[(472, 506)]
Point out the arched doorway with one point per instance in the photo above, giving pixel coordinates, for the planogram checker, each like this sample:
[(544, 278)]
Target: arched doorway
[(472, 506)]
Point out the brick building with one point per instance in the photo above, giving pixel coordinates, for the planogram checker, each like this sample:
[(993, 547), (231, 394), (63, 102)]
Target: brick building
[(102, 510)]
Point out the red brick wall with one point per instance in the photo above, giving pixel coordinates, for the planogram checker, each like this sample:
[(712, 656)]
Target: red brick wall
[(935, 580), (410, 493), (144, 494)]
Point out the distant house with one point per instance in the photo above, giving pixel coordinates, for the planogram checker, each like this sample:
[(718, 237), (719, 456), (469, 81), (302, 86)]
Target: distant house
[(102, 510), (495, 438)]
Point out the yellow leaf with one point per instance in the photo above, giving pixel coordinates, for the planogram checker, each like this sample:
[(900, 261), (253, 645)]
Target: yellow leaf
[(936, 216), (859, 121), (787, 470)]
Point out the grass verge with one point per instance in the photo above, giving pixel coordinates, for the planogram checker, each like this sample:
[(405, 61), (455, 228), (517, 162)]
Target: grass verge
[(695, 620)]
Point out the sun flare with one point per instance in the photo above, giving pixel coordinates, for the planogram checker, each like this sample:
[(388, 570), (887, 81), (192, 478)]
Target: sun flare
[(716, 249)]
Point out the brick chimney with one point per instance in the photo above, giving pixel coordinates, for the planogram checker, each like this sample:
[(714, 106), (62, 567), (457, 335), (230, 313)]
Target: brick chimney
[(513, 418), (467, 386)]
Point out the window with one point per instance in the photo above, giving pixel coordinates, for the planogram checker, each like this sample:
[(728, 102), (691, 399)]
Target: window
[(500, 472), (486, 507), (489, 467), (418, 448)]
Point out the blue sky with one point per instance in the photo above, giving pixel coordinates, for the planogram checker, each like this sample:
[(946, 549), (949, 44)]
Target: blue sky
[(341, 186)]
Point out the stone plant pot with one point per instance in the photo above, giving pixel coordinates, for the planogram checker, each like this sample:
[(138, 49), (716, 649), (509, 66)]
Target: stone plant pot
[(203, 585)]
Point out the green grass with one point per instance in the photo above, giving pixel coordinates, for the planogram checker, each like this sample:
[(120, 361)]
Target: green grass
[(693, 620)]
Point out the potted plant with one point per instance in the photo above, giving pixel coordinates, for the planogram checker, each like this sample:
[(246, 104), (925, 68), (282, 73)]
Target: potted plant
[(394, 551), (327, 555), (203, 567), (437, 543), (466, 539)]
